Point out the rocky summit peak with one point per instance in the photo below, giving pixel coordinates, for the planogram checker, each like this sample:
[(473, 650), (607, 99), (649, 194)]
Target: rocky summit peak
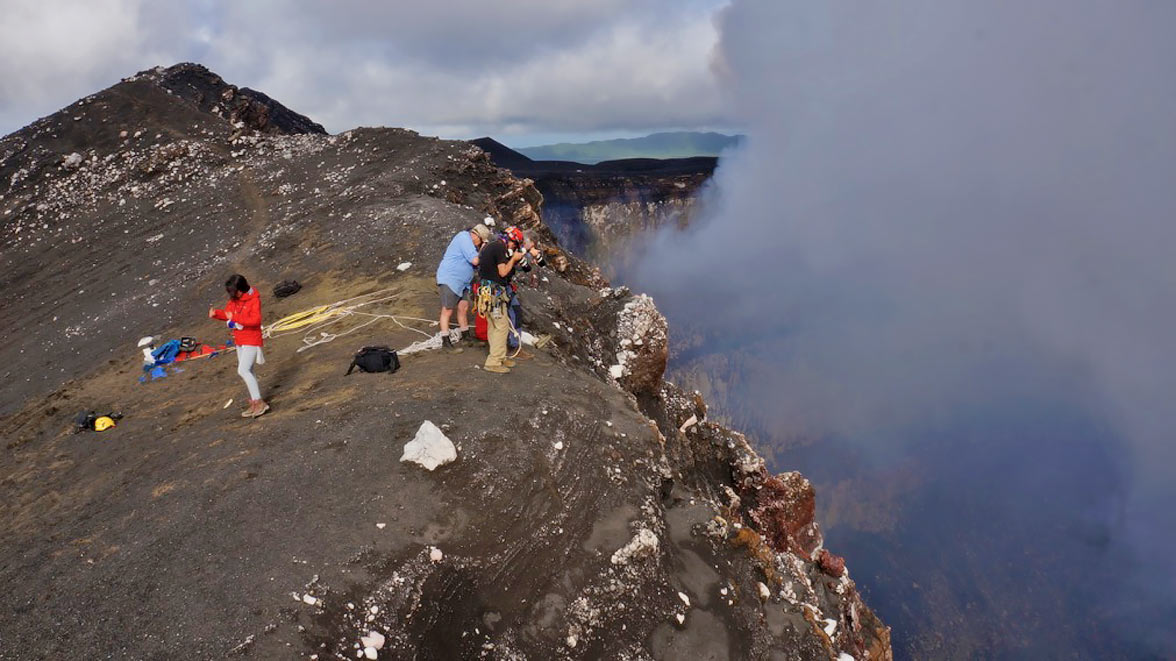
[(240, 106)]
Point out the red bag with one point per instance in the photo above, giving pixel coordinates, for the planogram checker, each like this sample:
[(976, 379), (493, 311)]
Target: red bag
[(480, 327), (479, 320)]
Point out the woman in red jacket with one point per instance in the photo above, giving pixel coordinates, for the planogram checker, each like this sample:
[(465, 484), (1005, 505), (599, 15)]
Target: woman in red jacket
[(243, 314)]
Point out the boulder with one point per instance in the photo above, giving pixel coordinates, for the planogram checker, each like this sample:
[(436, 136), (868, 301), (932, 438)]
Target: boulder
[(429, 448)]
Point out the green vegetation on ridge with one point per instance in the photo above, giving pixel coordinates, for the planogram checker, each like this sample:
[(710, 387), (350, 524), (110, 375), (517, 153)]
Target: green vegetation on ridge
[(677, 144)]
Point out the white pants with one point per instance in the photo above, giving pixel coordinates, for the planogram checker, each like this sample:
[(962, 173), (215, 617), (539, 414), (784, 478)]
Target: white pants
[(247, 356)]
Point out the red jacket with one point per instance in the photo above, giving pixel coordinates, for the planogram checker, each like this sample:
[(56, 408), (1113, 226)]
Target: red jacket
[(246, 311)]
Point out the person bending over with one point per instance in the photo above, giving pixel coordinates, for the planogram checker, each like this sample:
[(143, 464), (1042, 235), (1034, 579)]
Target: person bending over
[(453, 281), (243, 315)]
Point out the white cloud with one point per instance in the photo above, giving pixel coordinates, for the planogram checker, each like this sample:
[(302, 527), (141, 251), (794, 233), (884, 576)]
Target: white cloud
[(457, 68)]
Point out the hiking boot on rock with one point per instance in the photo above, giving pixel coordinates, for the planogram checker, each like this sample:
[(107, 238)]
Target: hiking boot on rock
[(508, 362), (447, 345), (497, 369)]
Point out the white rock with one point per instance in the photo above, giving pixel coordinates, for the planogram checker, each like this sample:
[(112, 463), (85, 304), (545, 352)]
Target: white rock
[(373, 639), (558, 445), (643, 544), (429, 448), (681, 618), (381, 525), (616, 371), (404, 266), (228, 403), (488, 221), (845, 657), (572, 641), (375, 609), (690, 422), (830, 627), (370, 652), (764, 592), (685, 599), (435, 554), (307, 599)]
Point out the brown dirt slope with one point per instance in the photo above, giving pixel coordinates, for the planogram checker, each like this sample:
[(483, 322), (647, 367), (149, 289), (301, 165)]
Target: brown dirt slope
[(579, 521)]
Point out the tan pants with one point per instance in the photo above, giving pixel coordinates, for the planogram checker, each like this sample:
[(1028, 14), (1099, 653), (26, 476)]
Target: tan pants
[(497, 330)]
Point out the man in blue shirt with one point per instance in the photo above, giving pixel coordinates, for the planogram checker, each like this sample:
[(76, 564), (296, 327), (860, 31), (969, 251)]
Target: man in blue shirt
[(453, 280)]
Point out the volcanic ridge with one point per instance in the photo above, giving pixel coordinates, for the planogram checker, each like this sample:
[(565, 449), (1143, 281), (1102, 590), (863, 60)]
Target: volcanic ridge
[(593, 511)]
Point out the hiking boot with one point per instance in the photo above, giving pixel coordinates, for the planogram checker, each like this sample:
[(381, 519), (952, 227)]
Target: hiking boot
[(508, 362), (524, 355), (447, 345), (248, 412), (497, 369)]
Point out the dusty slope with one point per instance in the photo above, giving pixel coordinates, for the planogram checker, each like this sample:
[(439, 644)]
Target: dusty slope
[(187, 532)]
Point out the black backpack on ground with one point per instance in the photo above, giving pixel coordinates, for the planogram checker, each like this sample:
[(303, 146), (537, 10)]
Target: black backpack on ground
[(286, 288), (188, 344), (374, 359)]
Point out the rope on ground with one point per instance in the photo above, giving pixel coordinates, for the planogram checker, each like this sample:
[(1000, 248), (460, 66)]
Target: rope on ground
[(312, 321)]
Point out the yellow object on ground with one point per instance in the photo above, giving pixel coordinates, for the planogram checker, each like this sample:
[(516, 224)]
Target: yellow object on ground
[(103, 423)]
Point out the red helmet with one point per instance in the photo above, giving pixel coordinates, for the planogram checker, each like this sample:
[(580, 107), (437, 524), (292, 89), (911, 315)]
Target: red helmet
[(514, 234)]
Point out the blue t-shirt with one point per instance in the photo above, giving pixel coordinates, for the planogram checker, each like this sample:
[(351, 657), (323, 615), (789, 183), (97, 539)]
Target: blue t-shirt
[(456, 269)]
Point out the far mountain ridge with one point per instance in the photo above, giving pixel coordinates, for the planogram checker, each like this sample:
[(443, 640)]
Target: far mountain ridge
[(664, 145)]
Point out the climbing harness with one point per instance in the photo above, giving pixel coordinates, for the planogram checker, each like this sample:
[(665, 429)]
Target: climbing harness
[(490, 297)]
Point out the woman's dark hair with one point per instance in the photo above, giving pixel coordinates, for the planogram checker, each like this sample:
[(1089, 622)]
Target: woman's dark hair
[(236, 284)]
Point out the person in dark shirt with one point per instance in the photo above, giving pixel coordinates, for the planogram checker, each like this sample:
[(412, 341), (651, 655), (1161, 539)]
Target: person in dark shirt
[(496, 265)]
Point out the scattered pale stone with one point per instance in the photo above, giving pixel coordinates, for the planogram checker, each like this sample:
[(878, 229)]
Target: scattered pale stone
[(616, 371), (643, 544), (690, 422), (308, 599), (830, 626), (228, 403), (845, 657), (435, 554), (374, 639), (685, 599), (370, 652), (559, 445), (763, 591), (403, 266), (375, 609), (381, 525), (681, 618), (429, 448), (572, 641)]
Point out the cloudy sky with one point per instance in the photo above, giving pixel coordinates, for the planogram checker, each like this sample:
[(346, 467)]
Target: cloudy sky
[(527, 71)]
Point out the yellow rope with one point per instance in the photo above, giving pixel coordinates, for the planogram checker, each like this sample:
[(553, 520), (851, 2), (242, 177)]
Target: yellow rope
[(301, 319)]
